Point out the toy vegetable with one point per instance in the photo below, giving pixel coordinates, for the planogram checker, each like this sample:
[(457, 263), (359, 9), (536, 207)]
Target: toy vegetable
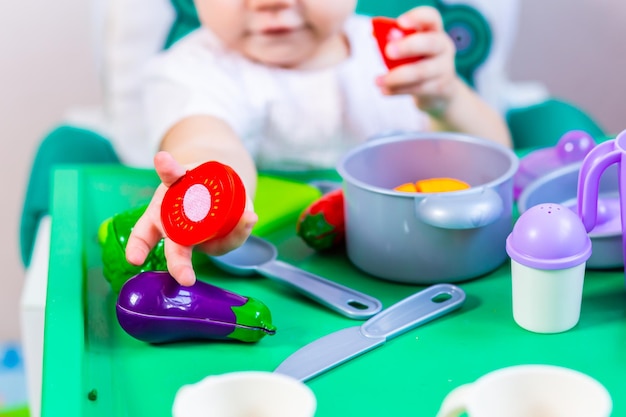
[(113, 237), (154, 308), (205, 203), (433, 185), (321, 225), (385, 30)]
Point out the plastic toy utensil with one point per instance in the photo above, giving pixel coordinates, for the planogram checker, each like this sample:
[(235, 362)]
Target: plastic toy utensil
[(205, 203), (572, 147), (385, 30), (259, 256)]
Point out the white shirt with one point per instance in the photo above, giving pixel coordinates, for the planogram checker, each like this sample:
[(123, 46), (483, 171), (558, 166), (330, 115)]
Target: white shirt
[(287, 119)]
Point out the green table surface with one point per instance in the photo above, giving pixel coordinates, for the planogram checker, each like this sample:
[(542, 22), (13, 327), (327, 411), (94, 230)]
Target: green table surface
[(93, 368)]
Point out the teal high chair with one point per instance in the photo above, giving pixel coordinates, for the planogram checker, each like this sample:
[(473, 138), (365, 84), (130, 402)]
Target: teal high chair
[(482, 30)]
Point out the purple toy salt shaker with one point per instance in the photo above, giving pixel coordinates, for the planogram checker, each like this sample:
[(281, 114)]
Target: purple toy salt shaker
[(549, 248)]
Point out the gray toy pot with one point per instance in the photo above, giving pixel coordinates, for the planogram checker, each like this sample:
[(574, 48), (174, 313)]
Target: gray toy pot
[(424, 238)]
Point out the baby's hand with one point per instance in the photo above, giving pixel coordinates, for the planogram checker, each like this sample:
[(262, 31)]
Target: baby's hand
[(432, 79), (149, 229)]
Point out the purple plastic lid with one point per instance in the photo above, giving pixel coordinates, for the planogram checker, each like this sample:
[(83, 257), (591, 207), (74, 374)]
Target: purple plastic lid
[(549, 236), (572, 147)]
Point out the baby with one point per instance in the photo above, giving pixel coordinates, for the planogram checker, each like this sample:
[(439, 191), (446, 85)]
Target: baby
[(292, 85)]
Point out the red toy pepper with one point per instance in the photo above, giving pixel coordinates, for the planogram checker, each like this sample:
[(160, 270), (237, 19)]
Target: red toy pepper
[(321, 225), (385, 30)]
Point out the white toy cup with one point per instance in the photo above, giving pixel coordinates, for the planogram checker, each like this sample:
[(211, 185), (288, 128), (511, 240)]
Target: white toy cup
[(529, 390), (245, 394)]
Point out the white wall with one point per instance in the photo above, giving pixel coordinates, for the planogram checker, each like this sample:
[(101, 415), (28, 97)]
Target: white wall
[(578, 49), (45, 67), (575, 46)]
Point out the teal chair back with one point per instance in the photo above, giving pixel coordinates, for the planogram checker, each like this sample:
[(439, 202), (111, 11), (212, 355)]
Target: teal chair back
[(62, 145)]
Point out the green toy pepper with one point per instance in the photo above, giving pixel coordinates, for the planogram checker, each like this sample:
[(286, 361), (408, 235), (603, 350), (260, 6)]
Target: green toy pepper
[(113, 237)]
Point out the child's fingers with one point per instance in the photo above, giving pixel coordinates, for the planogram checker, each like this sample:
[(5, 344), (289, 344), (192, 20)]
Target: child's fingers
[(143, 238), (413, 74), (421, 44), (179, 257), (234, 239), (441, 86), (168, 169), (179, 262), (436, 87), (423, 18), (147, 232)]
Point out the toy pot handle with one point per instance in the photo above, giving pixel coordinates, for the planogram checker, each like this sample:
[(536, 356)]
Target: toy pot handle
[(456, 402), (595, 163), (460, 210)]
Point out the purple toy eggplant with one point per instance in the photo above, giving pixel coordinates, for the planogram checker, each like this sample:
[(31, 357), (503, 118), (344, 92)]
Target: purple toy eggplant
[(154, 308)]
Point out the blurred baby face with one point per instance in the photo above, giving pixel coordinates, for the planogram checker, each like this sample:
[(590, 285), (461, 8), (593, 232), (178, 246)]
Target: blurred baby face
[(284, 33)]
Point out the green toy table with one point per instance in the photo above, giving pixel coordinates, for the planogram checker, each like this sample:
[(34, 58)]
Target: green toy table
[(93, 368)]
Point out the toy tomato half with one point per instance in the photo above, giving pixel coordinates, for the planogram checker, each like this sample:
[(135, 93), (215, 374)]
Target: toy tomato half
[(386, 30), (205, 203)]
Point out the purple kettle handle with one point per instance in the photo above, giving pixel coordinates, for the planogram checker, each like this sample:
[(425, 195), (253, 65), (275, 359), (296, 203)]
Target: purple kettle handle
[(599, 159)]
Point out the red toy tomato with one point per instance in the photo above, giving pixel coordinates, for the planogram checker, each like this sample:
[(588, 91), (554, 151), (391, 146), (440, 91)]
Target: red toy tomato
[(205, 203), (386, 30), (321, 225)]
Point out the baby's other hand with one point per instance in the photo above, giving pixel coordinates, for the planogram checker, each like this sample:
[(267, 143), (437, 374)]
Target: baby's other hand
[(432, 79), (149, 229)]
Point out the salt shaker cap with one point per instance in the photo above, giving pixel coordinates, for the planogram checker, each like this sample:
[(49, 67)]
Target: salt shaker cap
[(549, 236)]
